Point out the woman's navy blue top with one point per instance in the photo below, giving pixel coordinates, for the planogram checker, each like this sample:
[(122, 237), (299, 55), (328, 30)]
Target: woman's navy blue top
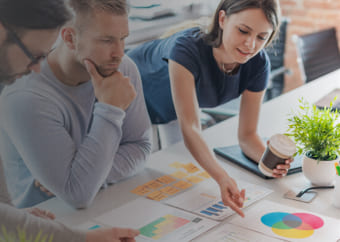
[(213, 86)]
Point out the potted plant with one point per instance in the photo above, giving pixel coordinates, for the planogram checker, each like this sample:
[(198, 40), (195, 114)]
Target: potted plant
[(317, 136)]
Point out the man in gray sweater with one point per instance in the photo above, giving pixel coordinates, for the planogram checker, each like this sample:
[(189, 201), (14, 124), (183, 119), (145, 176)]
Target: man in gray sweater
[(78, 131), (27, 31)]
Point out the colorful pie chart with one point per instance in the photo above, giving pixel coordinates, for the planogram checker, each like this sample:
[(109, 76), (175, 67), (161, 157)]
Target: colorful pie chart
[(292, 225)]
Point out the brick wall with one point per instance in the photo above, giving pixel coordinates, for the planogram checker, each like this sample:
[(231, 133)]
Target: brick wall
[(306, 16)]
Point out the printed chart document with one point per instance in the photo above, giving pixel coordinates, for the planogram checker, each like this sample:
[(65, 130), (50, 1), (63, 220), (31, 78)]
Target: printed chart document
[(289, 223), (89, 225), (233, 233), (156, 221), (205, 199)]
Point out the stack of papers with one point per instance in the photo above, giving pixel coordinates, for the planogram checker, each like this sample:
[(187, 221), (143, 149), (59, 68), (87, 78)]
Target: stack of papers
[(176, 207)]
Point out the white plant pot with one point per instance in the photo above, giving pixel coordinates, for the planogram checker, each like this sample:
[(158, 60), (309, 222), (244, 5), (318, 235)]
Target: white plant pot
[(320, 173)]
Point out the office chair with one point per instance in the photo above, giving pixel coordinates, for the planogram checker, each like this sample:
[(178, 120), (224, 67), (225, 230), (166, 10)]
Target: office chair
[(318, 53), (276, 53)]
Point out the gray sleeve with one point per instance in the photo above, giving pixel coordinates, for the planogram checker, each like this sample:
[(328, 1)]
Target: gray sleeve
[(73, 172), (12, 219), (135, 146)]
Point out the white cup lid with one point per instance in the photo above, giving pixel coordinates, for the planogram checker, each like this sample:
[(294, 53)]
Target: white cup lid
[(283, 144)]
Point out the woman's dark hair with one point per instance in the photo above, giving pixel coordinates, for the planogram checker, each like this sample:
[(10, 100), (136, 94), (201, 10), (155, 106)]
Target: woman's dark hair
[(270, 8), (34, 14)]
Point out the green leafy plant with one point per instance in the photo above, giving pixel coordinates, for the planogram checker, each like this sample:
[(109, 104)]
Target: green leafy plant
[(316, 131), (21, 236)]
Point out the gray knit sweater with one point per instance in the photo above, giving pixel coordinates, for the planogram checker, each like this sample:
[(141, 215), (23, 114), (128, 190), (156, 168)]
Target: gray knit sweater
[(12, 219)]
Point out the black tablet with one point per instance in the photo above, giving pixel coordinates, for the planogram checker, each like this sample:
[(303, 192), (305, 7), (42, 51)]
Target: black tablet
[(235, 155)]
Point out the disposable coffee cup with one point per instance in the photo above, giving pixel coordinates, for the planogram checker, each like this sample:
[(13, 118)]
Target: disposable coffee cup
[(279, 149)]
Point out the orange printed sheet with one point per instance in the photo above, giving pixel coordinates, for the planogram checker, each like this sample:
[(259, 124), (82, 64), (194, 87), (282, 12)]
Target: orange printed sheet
[(157, 196), (141, 190), (154, 184), (170, 190), (176, 165), (191, 168), (204, 174), (194, 179), (182, 185), (179, 174), (166, 179)]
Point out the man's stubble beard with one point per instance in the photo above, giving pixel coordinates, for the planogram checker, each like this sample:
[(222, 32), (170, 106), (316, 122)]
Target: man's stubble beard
[(105, 72)]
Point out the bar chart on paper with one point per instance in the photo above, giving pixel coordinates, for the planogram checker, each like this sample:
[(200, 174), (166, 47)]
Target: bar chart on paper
[(156, 221), (163, 226), (205, 199), (89, 226)]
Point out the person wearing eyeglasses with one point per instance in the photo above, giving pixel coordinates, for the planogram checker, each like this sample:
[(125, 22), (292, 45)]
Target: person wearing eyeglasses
[(25, 60), (77, 135), (33, 65), (27, 31)]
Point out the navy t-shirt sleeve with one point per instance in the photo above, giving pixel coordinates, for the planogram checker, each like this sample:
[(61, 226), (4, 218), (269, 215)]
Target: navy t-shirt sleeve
[(260, 66), (185, 52)]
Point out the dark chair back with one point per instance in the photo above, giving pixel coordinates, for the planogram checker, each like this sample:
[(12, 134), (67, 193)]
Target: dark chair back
[(276, 53), (318, 53)]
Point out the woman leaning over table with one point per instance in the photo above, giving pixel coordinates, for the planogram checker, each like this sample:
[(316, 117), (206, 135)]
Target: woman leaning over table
[(194, 68)]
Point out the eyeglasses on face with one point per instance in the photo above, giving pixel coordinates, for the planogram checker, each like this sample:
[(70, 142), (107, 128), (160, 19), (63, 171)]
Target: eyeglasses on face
[(34, 59)]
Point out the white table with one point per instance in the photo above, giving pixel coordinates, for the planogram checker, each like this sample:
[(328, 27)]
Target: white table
[(272, 120)]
